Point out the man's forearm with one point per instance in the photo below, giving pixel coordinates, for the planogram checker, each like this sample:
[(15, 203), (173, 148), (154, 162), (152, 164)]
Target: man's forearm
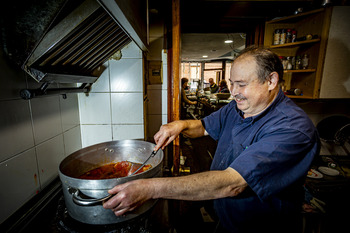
[(200, 186), (193, 128)]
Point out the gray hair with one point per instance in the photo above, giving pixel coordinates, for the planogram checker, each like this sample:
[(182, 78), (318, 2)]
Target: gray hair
[(267, 62)]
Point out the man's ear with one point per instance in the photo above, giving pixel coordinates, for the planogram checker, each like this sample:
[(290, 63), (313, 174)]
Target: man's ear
[(273, 81)]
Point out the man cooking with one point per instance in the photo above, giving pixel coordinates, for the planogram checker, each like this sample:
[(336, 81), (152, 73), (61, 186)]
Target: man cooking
[(265, 147)]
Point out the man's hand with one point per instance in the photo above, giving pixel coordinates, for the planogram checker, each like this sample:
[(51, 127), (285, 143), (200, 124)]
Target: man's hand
[(167, 134), (128, 196)]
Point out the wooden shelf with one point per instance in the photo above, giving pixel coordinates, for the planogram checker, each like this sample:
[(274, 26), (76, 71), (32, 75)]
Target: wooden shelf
[(296, 17), (300, 71), (299, 97), (294, 44), (315, 22)]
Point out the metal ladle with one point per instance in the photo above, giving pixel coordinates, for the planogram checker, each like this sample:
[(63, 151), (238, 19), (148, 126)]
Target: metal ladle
[(144, 163)]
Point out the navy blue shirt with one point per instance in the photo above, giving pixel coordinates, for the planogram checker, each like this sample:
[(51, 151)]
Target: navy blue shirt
[(271, 151)]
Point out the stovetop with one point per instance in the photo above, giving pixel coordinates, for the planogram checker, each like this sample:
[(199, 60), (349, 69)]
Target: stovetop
[(66, 223), (48, 214)]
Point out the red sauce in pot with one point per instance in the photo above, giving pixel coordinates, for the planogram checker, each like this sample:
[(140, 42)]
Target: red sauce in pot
[(114, 170)]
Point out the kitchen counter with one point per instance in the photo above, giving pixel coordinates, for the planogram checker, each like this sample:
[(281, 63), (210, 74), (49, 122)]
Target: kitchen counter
[(331, 184), (334, 192)]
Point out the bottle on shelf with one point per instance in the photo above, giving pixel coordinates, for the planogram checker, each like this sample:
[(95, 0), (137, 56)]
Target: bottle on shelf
[(289, 63), (277, 37), (283, 36), (294, 36)]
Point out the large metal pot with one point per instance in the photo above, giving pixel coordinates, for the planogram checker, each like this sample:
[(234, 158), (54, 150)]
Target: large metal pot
[(84, 198)]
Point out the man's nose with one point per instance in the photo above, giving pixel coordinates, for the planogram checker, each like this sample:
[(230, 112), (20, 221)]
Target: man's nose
[(234, 90)]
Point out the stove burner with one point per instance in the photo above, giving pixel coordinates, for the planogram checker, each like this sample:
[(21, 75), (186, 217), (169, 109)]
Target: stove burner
[(66, 223)]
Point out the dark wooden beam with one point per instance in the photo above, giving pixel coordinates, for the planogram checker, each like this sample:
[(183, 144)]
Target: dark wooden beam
[(176, 35)]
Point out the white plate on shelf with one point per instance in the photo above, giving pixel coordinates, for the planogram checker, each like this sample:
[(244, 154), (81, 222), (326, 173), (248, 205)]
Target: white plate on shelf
[(312, 173), (328, 171)]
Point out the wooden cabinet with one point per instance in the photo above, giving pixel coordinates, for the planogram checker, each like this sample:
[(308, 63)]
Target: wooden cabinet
[(316, 23)]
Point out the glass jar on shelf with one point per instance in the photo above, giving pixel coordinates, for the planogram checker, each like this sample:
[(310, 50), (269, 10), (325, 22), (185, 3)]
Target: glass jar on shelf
[(305, 61), (298, 63)]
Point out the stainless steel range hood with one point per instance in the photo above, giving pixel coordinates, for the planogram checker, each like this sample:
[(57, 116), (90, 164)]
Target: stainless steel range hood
[(76, 48), (72, 42)]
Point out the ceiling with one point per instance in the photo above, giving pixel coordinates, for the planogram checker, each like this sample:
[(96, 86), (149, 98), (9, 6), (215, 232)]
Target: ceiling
[(196, 45)]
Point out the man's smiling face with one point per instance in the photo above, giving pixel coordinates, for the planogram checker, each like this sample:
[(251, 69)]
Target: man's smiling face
[(251, 95)]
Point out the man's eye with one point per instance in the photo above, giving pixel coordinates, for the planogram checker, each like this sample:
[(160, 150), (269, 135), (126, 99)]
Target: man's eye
[(241, 85)]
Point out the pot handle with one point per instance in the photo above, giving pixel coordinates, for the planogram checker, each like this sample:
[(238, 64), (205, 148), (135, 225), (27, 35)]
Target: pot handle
[(80, 199)]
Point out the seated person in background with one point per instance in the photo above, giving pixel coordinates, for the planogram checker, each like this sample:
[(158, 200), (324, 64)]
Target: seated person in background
[(184, 99), (223, 87), (213, 87)]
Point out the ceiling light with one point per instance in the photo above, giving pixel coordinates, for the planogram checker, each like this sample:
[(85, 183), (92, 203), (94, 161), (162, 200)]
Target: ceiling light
[(228, 41), (205, 56)]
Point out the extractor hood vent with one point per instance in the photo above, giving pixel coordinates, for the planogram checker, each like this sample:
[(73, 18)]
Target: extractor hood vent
[(74, 49)]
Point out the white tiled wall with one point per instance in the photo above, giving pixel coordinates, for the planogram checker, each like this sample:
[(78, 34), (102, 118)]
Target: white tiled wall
[(113, 110), (127, 108), (95, 108), (125, 75), (122, 132), (16, 133), (72, 140), (47, 123), (49, 155), (19, 182), (35, 135), (93, 134)]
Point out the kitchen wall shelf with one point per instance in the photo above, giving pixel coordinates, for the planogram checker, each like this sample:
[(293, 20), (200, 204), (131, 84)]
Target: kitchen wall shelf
[(314, 23), (328, 72), (294, 44), (300, 97), (295, 18), (299, 71)]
